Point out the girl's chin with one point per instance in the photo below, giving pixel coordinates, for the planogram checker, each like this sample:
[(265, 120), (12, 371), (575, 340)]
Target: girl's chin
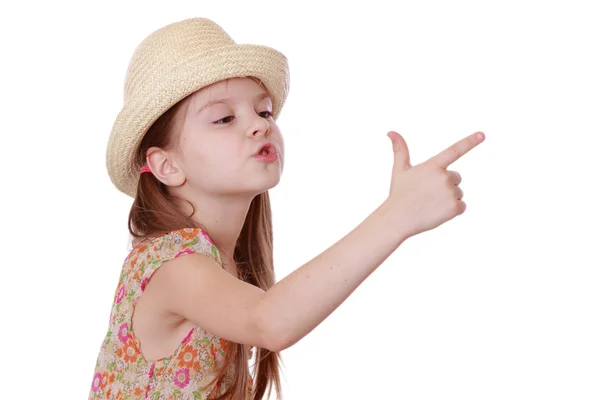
[(270, 184), (267, 183)]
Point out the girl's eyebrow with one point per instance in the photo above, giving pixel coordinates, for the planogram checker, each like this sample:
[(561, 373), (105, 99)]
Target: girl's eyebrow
[(224, 100)]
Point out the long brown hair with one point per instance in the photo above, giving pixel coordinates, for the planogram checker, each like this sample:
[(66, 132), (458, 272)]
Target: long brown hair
[(155, 211)]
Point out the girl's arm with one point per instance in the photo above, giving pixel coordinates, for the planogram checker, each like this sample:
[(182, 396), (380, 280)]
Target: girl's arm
[(421, 198), (197, 288), (301, 301)]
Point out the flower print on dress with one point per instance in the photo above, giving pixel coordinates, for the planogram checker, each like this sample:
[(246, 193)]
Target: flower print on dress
[(96, 382), (188, 233), (129, 352), (182, 252), (182, 378), (121, 294), (104, 380), (206, 236), (187, 338), (123, 333), (187, 356)]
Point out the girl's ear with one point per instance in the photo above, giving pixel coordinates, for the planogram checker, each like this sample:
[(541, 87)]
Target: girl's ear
[(164, 168)]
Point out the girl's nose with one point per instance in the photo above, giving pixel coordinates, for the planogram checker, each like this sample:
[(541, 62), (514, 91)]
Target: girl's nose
[(260, 127)]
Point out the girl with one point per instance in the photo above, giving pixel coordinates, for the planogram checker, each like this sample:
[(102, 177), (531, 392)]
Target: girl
[(197, 147)]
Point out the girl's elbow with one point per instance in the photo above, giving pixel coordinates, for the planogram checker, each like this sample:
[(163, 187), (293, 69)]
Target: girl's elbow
[(272, 335)]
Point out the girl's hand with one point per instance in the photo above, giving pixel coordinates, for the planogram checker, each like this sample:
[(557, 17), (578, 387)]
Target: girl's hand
[(427, 195)]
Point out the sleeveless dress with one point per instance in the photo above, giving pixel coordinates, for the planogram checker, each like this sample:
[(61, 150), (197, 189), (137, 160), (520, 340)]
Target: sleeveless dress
[(121, 371)]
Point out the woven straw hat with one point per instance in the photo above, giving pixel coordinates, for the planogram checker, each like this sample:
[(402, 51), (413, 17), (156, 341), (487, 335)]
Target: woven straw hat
[(172, 63)]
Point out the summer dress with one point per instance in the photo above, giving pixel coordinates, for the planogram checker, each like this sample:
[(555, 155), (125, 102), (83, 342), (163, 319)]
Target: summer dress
[(121, 372)]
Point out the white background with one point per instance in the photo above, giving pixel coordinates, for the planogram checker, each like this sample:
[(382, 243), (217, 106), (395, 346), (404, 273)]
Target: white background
[(499, 303)]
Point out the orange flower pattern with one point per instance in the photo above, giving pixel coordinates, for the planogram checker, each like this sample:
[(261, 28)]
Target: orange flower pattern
[(121, 371)]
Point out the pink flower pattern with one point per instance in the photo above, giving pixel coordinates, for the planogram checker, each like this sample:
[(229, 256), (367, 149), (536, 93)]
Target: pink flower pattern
[(182, 378), (123, 333), (207, 237), (96, 382), (121, 294), (187, 338), (182, 252)]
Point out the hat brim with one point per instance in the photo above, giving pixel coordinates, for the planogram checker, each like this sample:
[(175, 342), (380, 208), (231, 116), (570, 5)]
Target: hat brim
[(170, 85)]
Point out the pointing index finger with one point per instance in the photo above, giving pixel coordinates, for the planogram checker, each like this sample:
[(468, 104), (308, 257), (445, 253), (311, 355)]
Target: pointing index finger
[(457, 150)]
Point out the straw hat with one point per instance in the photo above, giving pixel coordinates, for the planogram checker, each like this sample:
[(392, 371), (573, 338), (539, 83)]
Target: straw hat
[(172, 63)]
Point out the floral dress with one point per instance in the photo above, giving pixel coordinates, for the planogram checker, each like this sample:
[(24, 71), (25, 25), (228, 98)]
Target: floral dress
[(121, 371)]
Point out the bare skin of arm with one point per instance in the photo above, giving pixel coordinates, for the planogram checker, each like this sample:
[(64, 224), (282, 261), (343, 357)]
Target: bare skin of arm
[(198, 290)]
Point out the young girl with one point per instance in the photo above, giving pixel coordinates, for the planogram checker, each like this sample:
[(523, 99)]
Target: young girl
[(197, 147)]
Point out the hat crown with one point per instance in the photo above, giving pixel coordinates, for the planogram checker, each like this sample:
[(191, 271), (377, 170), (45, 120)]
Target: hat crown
[(158, 53)]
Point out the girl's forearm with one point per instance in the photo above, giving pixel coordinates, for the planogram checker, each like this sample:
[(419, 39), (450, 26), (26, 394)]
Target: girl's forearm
[(298, 303)]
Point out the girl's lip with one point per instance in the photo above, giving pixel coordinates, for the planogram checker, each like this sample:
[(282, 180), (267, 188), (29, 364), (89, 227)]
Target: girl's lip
[(269, 147), (267, 158)]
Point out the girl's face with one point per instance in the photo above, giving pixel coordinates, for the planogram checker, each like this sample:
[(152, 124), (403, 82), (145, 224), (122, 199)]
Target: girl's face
[(225, 126)]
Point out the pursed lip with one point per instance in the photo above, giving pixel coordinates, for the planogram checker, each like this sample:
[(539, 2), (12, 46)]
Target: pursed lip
[(269, 147)]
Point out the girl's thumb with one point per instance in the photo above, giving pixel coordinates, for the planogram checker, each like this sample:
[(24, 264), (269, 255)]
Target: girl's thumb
[(401, 154)]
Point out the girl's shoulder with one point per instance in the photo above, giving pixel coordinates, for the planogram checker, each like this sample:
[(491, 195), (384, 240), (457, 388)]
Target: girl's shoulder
[(165, 246)]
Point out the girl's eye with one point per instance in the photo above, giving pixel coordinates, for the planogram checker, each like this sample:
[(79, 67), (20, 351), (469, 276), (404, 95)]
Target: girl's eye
[(264, 114), (224, 120)]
